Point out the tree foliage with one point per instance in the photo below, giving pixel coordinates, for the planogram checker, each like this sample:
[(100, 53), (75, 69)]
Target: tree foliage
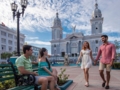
[(6, 55), (117, 45)]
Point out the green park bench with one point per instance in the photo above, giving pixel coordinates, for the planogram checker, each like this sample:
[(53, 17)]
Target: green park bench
[(10, 72)]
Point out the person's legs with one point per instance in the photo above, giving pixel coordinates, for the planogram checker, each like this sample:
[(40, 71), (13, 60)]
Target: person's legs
[(102, 75), (52, 82), (108, 69), (54, 71), (43, 81), (84, 75), (87, 74), (87, 77), (101, 70), (108, 78)]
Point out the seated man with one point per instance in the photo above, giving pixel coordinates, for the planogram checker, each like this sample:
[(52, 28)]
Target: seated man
[(24, 66)]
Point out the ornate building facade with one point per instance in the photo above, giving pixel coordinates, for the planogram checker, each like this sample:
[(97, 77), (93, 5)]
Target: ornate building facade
[(72, 43)]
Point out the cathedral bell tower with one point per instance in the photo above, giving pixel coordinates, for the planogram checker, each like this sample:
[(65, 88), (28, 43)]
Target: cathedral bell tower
[(96, 21), (57, 32)]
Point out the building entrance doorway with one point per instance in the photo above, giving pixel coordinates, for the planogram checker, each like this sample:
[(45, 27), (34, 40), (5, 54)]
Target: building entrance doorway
[(62, 54)]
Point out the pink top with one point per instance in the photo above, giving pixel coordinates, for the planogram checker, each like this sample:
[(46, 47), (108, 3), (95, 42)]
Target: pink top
[(108, 52)]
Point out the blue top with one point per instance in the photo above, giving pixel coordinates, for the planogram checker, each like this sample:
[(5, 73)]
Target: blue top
[(41, 71)]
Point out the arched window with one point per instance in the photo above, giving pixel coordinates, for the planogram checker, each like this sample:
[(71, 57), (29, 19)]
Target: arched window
[(96, 41)]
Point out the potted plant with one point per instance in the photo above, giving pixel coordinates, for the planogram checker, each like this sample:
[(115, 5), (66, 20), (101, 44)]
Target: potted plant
[(63, 80)]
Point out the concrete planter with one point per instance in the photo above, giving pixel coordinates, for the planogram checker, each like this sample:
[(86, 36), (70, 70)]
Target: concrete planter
[(115, 69), (66, 85)]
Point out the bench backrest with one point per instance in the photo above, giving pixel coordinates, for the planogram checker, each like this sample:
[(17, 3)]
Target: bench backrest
[(6, 72), (7, 75)]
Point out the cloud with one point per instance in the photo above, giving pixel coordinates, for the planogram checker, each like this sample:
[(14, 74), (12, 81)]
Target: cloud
[(114, 38), (37, 42), (65, 33), (39, 14), (31, 38)]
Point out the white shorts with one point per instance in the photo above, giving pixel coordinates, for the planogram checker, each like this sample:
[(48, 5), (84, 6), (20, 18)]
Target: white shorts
[(102, 66), (36, 79)]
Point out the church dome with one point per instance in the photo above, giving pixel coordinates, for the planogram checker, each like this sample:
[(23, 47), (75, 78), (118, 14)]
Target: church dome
[(97, 12), (57, 21)]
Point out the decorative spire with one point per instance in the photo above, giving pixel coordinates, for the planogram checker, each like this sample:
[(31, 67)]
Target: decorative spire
[(96, 1), (96, 5), (57, 14)]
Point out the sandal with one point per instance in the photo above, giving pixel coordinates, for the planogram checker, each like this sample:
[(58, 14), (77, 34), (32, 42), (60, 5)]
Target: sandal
[(87, 84)]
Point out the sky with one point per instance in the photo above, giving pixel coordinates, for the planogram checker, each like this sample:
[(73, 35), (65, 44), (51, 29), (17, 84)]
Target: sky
[(39, 16)]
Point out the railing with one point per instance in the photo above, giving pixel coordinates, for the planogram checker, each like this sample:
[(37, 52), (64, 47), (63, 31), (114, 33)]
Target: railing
[(3, 61), (55, 59)]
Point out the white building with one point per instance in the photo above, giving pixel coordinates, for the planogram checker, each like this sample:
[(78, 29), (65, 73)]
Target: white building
[(35, 51), (8, 39), (72, 43)]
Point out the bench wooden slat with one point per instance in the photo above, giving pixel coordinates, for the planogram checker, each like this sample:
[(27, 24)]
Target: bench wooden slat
[(6, 78), (20, 88), (5, 65), (10, 69), (4, 74), (28, 88)]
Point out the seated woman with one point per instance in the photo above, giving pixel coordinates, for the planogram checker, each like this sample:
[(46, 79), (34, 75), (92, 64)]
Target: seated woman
[(44, 67)]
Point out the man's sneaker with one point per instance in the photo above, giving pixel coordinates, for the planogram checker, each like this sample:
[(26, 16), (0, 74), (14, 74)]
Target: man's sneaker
[(103, 84)]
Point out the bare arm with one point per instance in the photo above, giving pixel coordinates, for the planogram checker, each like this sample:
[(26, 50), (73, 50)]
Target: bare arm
[(79, 56), (91, 56), (34, 62), (113, 52), (47, 70), (23, 71)]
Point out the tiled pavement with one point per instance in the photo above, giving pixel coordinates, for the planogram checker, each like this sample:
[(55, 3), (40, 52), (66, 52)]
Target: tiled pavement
[(76, 74)]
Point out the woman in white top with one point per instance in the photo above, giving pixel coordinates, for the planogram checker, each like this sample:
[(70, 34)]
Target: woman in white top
[(86, 55)]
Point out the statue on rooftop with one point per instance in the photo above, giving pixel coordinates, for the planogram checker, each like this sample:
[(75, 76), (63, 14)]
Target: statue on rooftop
[(74, 27)]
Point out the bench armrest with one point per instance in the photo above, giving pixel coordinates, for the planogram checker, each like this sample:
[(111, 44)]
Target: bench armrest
[(25, 79)]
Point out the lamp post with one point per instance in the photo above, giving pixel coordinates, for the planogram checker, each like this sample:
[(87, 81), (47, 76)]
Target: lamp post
[(17, 14)]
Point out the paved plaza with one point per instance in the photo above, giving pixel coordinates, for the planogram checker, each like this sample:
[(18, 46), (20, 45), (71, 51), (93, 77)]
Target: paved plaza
[(76, 74)]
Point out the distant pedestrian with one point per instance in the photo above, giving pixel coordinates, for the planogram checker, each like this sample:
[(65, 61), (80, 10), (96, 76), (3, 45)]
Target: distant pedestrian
[(8, 60)]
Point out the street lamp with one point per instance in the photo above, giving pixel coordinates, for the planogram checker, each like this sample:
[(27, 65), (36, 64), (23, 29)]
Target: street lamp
[(17, 14)]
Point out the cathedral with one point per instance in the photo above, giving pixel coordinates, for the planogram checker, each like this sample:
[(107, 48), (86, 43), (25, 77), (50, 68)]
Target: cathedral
[(72, 43)]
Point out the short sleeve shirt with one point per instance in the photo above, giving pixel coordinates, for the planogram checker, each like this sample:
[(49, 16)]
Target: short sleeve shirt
[(25, 62)]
